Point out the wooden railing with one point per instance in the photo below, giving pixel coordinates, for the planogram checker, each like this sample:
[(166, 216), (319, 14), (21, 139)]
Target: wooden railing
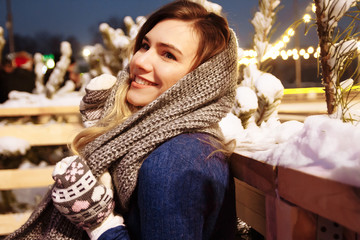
[(43, 133), (287, 204), (19, 179)]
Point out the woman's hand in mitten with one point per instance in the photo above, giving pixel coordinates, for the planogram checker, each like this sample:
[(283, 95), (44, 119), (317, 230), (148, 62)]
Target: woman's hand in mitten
[(97, 91), (78, 195)]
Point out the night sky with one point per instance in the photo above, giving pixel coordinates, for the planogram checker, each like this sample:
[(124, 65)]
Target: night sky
[(79, 18)]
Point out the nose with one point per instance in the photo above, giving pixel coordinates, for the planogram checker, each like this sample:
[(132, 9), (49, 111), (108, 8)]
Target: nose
[(143, 60)]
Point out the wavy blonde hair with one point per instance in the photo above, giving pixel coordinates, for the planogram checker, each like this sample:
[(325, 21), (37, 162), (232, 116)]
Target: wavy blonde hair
[(119, 112)]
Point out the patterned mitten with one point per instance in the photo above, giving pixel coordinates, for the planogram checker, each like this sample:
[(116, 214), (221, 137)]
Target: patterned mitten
[(78, 195), (97, 91)]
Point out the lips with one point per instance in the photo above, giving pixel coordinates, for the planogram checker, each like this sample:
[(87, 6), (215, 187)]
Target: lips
[(143, 82)]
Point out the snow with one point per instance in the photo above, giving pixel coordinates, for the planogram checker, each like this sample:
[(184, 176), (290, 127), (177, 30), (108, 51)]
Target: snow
[(246, 100), (270, 87), (321, 146), (11, 145), (333, 11)]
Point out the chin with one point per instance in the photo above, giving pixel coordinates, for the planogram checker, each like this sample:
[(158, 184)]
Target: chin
[(133, 101)]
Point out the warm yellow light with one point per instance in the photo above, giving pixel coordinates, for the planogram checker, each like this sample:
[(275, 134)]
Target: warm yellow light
[(313, 7), (247, 61), (295, 51), (307, 18), (253, 53), (318, 49), (316, 55), (290, 32), (274, 56), (50, 63), (283, 52), (295, 56), (306, 56), (250, 53), (310, 50), (286, 39), (289, 52), (253, 61), (284, 57), (302, 52), (86, 52), (244, 61)]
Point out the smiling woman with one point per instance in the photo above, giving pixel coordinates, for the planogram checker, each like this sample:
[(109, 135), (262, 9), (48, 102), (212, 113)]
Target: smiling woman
[(155, 137), (167, 53)]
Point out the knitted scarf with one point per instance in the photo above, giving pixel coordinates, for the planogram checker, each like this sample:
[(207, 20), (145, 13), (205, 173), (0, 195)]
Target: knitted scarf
[(196, 103)]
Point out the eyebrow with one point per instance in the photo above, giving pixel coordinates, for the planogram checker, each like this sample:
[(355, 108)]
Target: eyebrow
[(168, 45)]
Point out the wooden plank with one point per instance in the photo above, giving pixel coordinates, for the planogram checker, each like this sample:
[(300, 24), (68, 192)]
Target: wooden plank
[(12, 221), (253, 219), (25, 178), (250, 196), (293, 222), (33, 111), (255, 173), (250, 206), (330, 199), (43, 135)]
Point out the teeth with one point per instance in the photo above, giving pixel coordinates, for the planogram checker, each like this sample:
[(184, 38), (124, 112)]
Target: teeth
[(143, 82)]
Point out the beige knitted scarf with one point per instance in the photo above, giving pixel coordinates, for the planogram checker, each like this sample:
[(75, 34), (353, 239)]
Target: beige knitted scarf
[(196, 103)]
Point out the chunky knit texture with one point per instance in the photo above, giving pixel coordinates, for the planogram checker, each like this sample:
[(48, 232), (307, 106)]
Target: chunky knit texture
[(196, 103)]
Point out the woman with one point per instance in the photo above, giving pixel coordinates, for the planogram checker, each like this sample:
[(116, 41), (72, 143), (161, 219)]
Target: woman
[(156, 131)]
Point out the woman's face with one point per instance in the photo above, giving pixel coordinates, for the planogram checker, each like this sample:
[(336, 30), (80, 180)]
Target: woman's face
[(166, 55)]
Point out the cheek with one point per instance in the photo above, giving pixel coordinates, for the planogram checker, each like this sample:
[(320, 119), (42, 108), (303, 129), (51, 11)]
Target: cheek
[(172, 76), (131, 67)]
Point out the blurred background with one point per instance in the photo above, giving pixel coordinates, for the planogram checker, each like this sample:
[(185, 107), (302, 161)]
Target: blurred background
[(40, 26)]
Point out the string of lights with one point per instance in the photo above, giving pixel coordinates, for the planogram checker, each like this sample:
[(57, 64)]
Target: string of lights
[(278, 48)]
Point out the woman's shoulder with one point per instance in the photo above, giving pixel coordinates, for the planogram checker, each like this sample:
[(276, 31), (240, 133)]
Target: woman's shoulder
[(196, 152), (190, 145)]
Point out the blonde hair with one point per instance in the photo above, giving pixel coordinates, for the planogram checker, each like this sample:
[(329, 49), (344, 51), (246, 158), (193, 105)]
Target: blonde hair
[(120, 111)]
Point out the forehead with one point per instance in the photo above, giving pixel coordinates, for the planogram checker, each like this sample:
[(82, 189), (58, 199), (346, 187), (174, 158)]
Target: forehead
[(179, 33)]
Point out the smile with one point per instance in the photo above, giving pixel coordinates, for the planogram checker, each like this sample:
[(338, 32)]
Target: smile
[(143, 82)]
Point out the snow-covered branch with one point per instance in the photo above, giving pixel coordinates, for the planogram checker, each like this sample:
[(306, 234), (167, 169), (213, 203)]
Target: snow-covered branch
[(333, 54), (262, 23), (57, 76)]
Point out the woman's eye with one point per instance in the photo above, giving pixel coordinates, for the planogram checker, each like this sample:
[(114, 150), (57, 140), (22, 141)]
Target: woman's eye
[(169, 55), (145, 46)]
